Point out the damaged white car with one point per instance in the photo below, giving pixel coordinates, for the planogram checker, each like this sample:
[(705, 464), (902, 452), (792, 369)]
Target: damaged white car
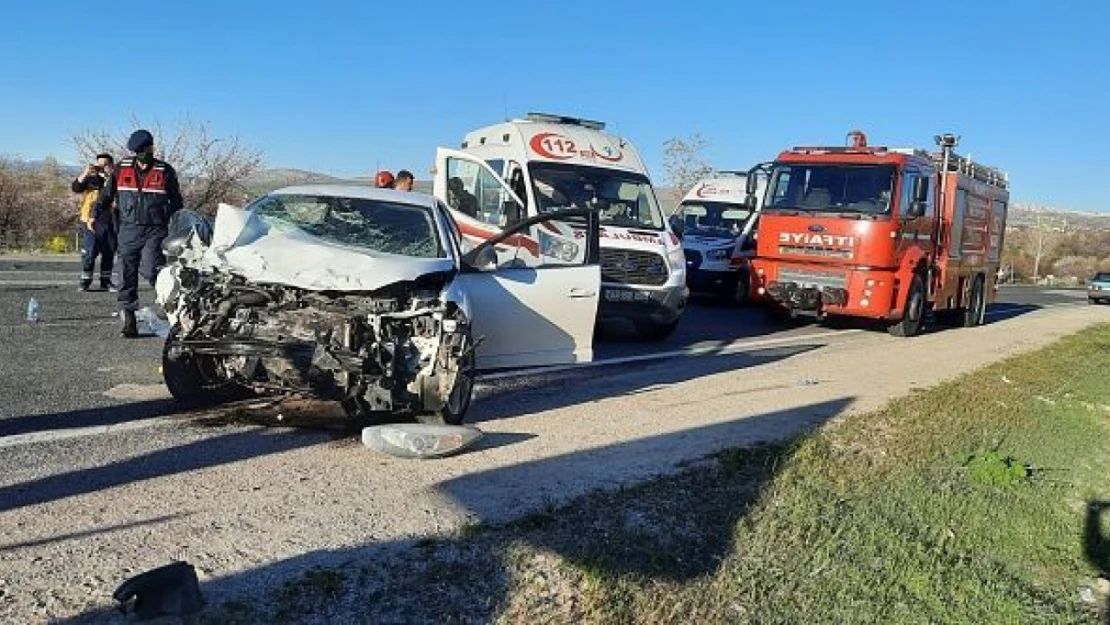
[(367, 297)]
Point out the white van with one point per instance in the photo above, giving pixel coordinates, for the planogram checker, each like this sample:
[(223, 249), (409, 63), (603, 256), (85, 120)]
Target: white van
[(718, 234), (521, 168)]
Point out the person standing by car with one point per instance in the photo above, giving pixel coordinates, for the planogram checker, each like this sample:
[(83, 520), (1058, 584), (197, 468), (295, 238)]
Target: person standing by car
[(404, 180), (147, 194), (98, 235)]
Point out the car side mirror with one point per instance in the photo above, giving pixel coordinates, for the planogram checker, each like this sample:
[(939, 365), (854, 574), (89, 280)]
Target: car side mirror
[(482, 258), (678, 226)]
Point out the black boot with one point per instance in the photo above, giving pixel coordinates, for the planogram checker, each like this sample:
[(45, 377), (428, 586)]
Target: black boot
[(84, 285), (130, 325)]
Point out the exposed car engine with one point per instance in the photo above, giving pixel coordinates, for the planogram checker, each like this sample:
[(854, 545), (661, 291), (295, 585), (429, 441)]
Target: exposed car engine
[(398, 350)]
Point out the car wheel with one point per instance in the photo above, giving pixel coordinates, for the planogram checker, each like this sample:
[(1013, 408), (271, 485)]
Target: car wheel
[(653, 331), (976, 305), (913, 318), (194, 381), (459, 399)]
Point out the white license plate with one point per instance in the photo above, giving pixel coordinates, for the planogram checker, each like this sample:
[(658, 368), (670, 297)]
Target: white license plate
[(618, 295)]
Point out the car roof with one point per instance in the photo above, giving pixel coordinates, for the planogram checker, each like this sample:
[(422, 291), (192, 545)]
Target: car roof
[(361, 192)]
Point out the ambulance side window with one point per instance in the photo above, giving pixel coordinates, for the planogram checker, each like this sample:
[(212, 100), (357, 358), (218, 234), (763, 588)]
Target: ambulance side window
[(473, 191)]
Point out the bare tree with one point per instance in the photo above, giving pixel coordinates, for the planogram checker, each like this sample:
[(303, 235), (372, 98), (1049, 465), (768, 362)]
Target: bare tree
[(683, 162), (211, 169), (1043, 244), (1075, 266)]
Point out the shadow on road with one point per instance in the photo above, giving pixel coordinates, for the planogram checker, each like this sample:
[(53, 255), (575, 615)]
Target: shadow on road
[(110, 415), (100, 531), (512, 397), (680, 532), (1003, 312), (201, 454)]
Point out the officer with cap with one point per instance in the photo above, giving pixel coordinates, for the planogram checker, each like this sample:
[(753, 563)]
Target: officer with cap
[(147, 194)]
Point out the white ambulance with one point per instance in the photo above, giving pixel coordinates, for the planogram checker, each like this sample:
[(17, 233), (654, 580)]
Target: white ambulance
[(518, 169), (718, 234)]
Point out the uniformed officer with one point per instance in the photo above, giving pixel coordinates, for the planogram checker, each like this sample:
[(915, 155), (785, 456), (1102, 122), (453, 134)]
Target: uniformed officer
[(147, 193)]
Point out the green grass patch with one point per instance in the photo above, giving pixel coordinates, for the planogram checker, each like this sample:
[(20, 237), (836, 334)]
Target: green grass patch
[(965, 503)]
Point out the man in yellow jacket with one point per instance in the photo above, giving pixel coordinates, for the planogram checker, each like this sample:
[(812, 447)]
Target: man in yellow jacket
[(98, 234)]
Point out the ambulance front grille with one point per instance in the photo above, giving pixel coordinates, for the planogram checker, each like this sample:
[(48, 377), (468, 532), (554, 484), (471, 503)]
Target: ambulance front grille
[(633, 267)]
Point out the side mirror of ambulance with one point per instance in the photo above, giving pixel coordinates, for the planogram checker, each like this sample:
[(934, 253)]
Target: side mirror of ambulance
[(677, 225)]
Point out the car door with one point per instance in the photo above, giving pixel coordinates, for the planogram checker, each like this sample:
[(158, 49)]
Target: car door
[(538, 308)]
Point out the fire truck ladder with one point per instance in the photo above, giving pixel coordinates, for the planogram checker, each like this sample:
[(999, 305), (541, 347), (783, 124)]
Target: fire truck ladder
[(976, 171)]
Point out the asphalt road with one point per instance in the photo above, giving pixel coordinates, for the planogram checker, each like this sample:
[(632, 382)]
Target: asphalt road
[(71, 370)]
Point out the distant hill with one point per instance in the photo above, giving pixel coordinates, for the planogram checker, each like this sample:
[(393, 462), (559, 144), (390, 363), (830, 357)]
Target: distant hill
[(270, 179), (1057, 219)]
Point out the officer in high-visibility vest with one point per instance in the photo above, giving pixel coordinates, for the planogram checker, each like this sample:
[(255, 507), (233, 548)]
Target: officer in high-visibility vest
[(147, 194)]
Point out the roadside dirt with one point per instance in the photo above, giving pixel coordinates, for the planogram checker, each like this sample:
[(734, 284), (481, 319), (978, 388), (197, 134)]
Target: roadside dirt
[(250, 507)]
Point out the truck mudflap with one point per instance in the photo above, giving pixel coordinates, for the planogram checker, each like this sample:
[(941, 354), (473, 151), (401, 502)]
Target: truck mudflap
[(793, 295)]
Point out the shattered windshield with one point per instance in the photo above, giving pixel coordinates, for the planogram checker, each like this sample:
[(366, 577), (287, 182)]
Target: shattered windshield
[(623, 199), (714, 219), (388, 227), (832, 188)]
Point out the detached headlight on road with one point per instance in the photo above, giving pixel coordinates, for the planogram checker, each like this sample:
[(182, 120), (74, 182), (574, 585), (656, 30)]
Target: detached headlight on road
[(417, 440), (720, 254)]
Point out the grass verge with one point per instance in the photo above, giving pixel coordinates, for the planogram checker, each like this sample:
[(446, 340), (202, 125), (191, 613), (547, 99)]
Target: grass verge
[(964, 503)]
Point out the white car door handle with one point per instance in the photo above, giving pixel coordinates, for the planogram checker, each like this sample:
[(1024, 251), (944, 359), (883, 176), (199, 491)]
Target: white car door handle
[(577, 293)]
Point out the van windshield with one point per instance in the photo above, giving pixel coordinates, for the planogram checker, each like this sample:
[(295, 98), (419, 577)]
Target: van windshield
[(831, 188), (714, 219), (623, 199)]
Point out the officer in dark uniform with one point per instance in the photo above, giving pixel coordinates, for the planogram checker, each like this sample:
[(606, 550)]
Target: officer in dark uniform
[(147, 193)]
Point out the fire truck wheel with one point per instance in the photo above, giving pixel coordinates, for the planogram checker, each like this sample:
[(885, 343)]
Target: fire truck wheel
[(913, 319), (976, 304)]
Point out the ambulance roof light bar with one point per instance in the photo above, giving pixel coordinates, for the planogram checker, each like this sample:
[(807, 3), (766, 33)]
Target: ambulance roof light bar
[(548, 118)]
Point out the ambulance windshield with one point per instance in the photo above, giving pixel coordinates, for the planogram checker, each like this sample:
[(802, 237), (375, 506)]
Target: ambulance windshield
[(714, 219), (624, 199), (831, 188)]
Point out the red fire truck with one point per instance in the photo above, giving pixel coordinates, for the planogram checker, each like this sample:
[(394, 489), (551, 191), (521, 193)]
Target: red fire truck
[(881, 233)]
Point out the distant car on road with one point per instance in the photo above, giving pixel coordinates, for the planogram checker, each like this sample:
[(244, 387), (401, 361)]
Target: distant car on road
[(1098, 288)]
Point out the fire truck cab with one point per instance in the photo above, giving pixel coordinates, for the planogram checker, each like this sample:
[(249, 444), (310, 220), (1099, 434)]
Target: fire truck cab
[(881, 233), (521, 168)]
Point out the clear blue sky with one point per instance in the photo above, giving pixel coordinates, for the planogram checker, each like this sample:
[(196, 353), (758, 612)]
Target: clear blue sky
[(339, 86)]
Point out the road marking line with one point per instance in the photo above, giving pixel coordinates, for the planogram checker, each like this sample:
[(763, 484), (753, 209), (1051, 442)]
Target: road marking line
[(720, 350), (51, 436)]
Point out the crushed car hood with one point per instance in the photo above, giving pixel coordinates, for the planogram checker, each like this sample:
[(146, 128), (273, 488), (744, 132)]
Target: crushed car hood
[(245, 245)]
